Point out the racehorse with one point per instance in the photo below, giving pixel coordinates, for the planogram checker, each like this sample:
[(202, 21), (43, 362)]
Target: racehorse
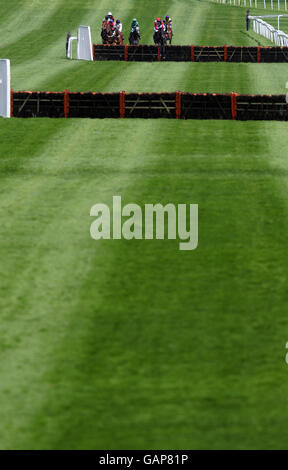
[(119, 38), (104, 32), (111, 35), (134, 38), (159, 38), (169, 33)]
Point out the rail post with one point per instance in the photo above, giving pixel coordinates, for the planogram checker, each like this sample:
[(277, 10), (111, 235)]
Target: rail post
[(192, 53), (126, 52), (122, 104), (225, 53), (234, 105), (159, 54), (178, 104), (66, 104), (11, 102)]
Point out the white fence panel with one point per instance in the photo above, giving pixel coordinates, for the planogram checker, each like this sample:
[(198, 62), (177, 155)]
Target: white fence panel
[(5, 91), (84, 43)]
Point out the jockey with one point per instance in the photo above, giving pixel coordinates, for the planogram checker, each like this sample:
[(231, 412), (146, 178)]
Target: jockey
[(109, 16), (119, 26), (158, 25), (135, 26), (105, 25), (167, 22), (111, 22)]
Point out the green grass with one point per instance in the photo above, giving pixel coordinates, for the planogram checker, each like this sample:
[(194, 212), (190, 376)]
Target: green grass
[(135, 344)]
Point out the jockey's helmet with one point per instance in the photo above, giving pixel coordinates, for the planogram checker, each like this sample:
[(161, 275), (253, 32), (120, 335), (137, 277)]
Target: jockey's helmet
[(158, 20), (109, 13), (118, 21)]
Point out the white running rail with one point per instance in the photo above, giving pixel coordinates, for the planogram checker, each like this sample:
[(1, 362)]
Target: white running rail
[(70, 46), (268, 31), (270, 4)]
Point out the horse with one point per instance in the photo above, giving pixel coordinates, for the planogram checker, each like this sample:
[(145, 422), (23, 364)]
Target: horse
[(159, 38), (119, 38), (110, 35), (104, 32), (169, 33), (134, 37)]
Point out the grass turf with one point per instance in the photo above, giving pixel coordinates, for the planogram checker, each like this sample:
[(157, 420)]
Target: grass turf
[(118, 344)]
